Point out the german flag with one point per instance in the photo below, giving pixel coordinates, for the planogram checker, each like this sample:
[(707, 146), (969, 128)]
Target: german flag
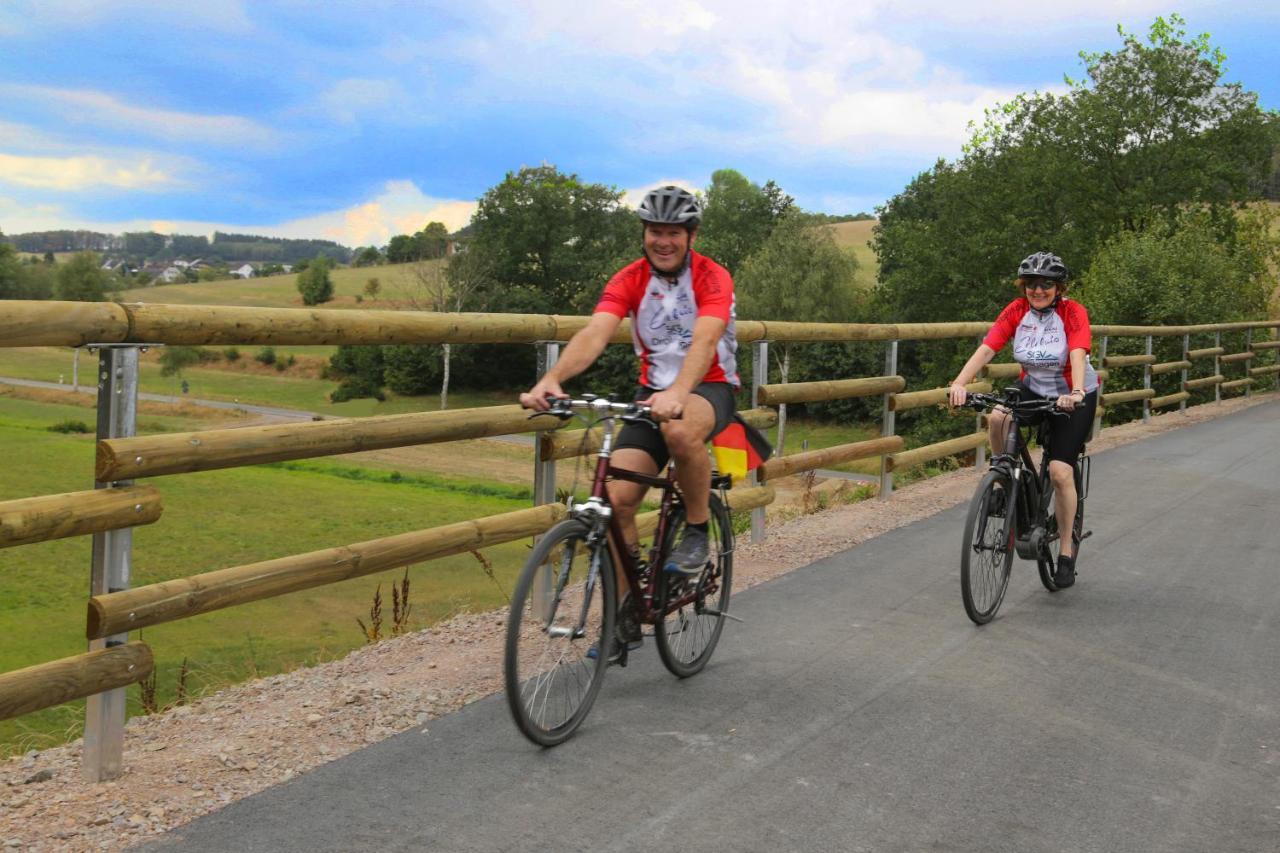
[(739, 449)]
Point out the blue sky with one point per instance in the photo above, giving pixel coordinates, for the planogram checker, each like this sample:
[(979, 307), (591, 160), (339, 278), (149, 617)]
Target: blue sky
[(358, 121)]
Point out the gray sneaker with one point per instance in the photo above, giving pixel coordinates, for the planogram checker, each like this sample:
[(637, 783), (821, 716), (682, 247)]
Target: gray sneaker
[(689, 555)]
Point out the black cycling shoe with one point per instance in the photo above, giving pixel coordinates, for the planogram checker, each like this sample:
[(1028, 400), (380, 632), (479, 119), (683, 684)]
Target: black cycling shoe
[(690, 554), (1065, 576)]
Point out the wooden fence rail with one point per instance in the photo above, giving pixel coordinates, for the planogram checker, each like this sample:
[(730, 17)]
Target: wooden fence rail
[(114, 613), (47, 684), (49, 517)]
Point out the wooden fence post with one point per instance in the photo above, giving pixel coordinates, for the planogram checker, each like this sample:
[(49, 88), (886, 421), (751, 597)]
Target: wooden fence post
[(112, 551), (887, 420), (759, 376)]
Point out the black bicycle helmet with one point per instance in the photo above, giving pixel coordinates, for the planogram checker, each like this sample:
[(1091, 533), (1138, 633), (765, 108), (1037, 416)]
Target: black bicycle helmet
[(670, 205), (1043, 265)]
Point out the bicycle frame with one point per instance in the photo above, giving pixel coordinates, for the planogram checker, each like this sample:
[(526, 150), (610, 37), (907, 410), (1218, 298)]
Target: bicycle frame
[(597, 509)]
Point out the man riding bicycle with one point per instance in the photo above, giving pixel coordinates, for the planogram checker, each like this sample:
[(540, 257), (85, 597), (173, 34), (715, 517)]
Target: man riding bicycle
[(681, 307)]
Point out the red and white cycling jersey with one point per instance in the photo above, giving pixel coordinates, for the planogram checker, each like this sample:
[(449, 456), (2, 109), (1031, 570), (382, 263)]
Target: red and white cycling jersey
[(1042, 343), (663, 313)]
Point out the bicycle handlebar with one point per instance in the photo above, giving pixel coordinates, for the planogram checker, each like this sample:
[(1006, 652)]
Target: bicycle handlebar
[(563, 408), (982, 402)]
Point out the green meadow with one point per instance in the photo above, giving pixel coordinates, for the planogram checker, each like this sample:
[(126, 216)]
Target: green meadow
[(219, 519)]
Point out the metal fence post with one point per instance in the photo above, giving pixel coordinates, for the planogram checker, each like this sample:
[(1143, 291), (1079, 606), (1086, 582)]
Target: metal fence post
[(112, 555), (759, 376), (887, 425), (1186, 348), (1217, 368), (1102, 360), (980, 452), (1248, 345), (544, 472), (1146, 384)]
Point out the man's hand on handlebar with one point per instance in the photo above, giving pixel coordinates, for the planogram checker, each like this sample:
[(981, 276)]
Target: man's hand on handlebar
[(536, 397), (666, 405)]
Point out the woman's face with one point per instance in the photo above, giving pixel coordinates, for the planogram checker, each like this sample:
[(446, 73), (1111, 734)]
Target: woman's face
[(1041, 292)]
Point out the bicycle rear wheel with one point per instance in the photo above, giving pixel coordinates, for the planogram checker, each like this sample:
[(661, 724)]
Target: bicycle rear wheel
[(563, 607), (694, 609), (987, 554)]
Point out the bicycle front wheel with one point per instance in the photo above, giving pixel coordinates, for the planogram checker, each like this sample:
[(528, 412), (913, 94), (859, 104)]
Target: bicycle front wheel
[(988, 548), (693, 609), (559, 633)]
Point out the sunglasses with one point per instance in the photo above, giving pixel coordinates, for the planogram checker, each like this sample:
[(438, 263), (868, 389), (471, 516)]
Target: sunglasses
[(1040, 285)]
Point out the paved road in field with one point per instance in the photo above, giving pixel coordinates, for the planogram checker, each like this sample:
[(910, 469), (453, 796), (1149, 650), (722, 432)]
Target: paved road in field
[(858, 709)]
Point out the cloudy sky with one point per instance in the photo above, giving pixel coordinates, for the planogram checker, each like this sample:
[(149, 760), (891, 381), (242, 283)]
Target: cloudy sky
[(355, 121)]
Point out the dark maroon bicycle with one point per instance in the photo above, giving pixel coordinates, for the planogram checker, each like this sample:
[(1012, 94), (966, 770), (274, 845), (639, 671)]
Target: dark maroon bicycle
[(563, 627)]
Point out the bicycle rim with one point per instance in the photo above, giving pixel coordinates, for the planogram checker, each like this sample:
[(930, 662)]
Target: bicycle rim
[(687, 633), (558, 616), (987, 554)]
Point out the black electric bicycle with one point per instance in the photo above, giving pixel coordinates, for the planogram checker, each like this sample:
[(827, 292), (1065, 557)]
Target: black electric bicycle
[(1009, 513), (561, 632)]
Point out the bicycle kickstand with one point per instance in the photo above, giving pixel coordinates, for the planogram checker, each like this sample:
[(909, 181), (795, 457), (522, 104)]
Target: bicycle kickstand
[(724, 614)]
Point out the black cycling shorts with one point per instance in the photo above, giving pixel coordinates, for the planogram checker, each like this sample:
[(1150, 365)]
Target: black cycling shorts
[(646, 438), (1065, 437)]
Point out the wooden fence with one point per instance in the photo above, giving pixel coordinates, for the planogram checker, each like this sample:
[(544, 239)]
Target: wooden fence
[(116, 505)]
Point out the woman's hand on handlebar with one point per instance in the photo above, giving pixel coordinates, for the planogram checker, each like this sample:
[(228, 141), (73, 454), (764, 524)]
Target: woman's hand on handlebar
[(536, 397), (1067, 403), (957, 394)]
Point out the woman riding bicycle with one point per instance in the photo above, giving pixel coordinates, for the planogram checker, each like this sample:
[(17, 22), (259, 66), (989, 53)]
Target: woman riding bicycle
[(1051, 341)]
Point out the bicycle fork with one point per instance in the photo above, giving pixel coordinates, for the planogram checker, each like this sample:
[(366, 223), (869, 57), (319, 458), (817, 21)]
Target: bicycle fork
[(579, 629)]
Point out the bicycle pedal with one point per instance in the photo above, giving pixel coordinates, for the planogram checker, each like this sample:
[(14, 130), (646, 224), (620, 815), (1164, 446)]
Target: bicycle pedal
[(1085, 535)]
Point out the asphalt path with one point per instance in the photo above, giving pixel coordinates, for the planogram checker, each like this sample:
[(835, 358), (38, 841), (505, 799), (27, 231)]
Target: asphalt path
[(858, 709)]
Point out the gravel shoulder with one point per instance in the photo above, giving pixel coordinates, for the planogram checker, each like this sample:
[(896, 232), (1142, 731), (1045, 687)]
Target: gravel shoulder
[(194, 759)]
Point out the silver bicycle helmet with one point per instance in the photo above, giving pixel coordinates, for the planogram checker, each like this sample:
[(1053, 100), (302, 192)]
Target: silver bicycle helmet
[(670, 205), (1043, 265)]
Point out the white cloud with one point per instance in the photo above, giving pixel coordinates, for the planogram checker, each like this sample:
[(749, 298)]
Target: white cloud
[(83, 106), (399, 208), (65, 174)]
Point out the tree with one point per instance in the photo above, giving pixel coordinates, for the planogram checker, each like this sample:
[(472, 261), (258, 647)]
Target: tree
[(401, 249), (369, 256), (738, 217), (372, 287), (431, 242), (175, 359), (797, 273), (314, 282), (82, 279), (1150, 131), (549, 240)]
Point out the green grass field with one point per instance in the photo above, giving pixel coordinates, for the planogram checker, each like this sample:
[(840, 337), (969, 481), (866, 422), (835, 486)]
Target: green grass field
[(281, 291), (52, 364), (219, 519), (856, 236)]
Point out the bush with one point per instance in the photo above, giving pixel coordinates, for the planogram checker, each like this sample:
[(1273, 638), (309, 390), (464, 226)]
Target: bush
[(266, 355), (70, 426), (314, 282), (231, 354), (356, 387)]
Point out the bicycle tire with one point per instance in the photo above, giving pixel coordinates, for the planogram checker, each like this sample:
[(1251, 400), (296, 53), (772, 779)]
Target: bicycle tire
[(550, 675), (984, 579), (687, 635)]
